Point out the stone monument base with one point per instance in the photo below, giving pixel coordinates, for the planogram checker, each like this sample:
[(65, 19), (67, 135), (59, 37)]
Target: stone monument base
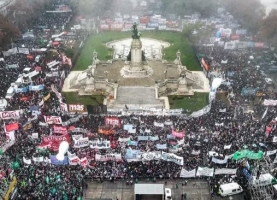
[(136, 72)]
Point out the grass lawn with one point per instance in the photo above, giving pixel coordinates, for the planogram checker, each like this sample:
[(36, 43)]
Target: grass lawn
[(74, 98), (190, 103), (177, 40)]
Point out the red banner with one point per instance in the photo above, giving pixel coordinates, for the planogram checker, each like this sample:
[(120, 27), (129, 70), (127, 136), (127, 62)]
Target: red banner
[(113, 121), (12, 127), (54, 141), (60, 129), (177, 134), (105, 131), (53, 119)]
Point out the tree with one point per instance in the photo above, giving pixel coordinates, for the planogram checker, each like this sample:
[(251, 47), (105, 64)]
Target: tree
[(7, 31), (267, 29)]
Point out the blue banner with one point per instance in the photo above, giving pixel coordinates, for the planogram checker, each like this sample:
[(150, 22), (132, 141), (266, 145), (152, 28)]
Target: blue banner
[(170, 137), (161, 146), (36, 87), (132, 154), (134, 143), (248, 91), (142, 138), (154, 138), (55, 161), (127, 127), (21, 90)]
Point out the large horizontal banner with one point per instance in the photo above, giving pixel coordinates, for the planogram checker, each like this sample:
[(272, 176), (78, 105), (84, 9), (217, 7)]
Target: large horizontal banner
[(55, 161), (170, 157), (114, 121), (187, 174), (53, 142), (270, 102), (225, 171), (70, 121), (21, 90), (11, 114), (76, 108), (145, 138), (218, 161), (161, 146), (132, 155), (97, 144), (108, 157), (157, 124), (248, 154), (122, 139), (205, 171), (53, 120)]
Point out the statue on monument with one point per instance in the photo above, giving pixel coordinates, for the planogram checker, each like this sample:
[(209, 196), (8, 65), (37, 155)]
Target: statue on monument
[(136, 33)]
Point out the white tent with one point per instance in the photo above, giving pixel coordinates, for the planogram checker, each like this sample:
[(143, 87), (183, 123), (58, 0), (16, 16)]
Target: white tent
[(148, 189)]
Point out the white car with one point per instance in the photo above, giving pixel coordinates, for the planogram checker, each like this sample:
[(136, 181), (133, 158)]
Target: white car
[(268, 81)]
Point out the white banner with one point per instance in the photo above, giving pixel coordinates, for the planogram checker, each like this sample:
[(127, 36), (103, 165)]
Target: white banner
[(274, 139), (53, 119), (218, 161), (187, 174), (155, 155), (11, 114), (269, 153), (157, 124), (205, 171), (168, 123), (81, 142), (170, 157), (73, 160), (227, 146), (225, 171), (38, 159), (124, 139), (97, 144), (34, 136), (108, 157), (194, 152), (27, 161), (270, 102)]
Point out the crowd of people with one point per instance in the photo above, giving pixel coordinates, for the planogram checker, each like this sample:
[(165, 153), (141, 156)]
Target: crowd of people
[(131, 147)]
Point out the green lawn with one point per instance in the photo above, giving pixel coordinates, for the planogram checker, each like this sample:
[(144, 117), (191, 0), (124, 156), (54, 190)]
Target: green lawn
[(74, 98), (177, 40), (190, 103)]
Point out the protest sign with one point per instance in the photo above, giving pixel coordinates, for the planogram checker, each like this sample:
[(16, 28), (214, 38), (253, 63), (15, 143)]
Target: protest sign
[(161, 146), (108, 157), (97, 144), (11, 114), (38, 159), (53, 142), (113, 121), (225, 171), (148, 156), (247, 154), (53, 119), (55, 161), (170, 157), (177, 134), (205, 171), (157, 124), (81, 142), (218, 161), (187, 174), (122, 139), (60, 129), (132, 155)]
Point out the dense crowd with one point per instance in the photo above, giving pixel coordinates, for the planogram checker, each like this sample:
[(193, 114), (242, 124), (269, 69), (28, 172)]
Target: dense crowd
[(188, 142)]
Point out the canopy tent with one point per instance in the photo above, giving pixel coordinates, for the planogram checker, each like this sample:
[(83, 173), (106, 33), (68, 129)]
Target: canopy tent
[(149, 189)]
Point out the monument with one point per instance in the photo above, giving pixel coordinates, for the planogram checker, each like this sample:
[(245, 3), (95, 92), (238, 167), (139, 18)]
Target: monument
[(136, 65), (138, 77)]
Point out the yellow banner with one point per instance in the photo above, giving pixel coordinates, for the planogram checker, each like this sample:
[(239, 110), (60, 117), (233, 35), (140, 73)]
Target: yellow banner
[(46, 97), (11, 188)]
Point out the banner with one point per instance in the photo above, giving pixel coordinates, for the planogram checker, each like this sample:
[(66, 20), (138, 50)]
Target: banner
[(170, 157), (148, 156), (128, 127), (270, 102), (47, 97), (27, 126), (142, 138), (168, 123), (124, 139), (170, 137), (81, 142), (108, 157), (225, 171), (177, 134), (132, 155), (269, 153), (41, 103), (7, 145), (27, 161), (227, 146), (97, 144), (218, 161), (161, 146), (55, 161), (36, 87), (157, 124), (205, 171), (74, 160), (60, 129), (76, 108), (11, 114), (21, 90), (105, 131), (133, 143), (79, 130), (11, 127), (63, 107), (247, 154), (194, 152), (70, 121), (248, 91), (83, 162), (153, 138), (38, 159), (54, 141), (187, 174), (114, 121), (53, 119)]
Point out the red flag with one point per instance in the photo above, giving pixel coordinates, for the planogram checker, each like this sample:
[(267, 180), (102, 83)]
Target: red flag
[(12, 127)]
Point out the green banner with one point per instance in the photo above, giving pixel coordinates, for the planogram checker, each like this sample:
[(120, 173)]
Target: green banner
[(247, 154)]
